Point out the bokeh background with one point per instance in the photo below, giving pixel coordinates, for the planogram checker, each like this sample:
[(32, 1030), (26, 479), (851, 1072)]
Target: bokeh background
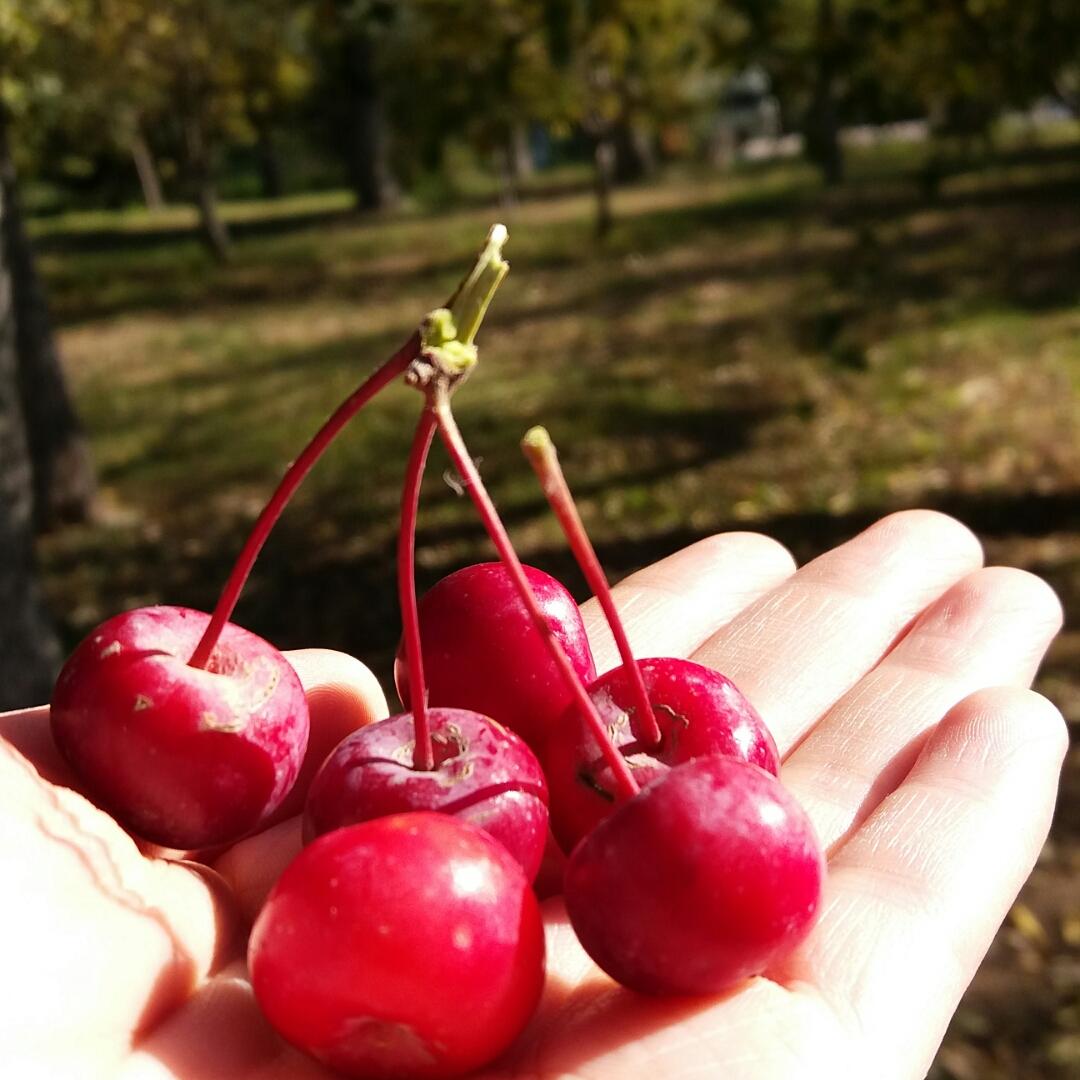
[(777, 264)]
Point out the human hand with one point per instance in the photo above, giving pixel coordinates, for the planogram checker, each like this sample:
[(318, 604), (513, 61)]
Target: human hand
[(892, 672), (104, 941)]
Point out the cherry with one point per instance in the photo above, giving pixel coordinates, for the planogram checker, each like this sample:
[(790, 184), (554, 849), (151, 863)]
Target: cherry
[(699, 713), (701, 880), (452, 760), (187, 738), (407, 946), (659, 712), (482, 773), (187, 757), (706, 878), (437, 393), (482, 652)]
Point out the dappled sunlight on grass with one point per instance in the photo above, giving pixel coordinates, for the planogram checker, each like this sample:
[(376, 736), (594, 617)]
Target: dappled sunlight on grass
[(744, 348)]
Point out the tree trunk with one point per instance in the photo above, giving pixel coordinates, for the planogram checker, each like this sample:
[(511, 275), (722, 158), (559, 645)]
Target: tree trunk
[(509, 192), (365, 136), (635, 158), (269, 161), (519, 152), (212, 228), (215, 232), (62, 474), (823, 125), (515, 163), (29, 651), (143, 159), (603, 178)]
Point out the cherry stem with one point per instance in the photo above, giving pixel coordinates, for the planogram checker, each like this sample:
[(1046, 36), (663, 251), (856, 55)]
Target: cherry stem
[(452, 328), (392, 369), (423, 751), (439, 402), (544, 459)]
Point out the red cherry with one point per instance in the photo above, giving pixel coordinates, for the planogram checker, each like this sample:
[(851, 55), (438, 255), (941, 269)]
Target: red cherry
[(185, 757), (407, 946), (483, 773), (482, 652), (707, 877), (699, 711)]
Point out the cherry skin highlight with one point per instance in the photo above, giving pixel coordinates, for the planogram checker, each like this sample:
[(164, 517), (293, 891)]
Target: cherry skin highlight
[(483, 774), (184, 757), (406, 946), (709, 876), (482, 652), (699, 711)]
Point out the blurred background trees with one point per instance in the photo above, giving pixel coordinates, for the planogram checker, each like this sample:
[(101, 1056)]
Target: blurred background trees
[(176, 98), (45, 471)]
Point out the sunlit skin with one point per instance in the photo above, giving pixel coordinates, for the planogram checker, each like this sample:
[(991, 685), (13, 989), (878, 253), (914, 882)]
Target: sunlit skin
[(892, 672)]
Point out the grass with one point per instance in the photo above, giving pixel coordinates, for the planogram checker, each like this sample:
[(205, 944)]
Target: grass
[(744, 350)]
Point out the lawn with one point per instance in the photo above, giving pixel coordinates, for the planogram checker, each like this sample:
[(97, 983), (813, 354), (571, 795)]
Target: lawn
[(744, 351)]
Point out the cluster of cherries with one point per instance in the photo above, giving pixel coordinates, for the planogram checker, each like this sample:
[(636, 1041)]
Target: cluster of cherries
[(406, 940)]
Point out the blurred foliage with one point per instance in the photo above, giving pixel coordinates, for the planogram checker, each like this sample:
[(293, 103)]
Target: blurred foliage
[(966, 61), (91, 78)]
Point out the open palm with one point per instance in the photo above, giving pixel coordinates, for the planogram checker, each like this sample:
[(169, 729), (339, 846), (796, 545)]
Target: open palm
[(892, 672)]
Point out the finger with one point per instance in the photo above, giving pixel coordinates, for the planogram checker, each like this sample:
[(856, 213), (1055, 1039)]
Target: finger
[(671, 607), (340, 682), (342, 695), (795, 651), (253, 865), (28, 732), (991, 628), (915, 896)]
